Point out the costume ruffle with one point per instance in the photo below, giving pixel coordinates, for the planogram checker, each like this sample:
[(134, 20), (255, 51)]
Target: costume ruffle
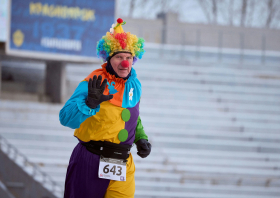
[(125, 88)]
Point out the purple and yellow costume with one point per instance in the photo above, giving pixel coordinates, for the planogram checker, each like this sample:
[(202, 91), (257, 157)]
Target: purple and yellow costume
[(116, 121)]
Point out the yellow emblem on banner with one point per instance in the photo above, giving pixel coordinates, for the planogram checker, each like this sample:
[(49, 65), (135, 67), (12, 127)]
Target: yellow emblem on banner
[(18, 38)]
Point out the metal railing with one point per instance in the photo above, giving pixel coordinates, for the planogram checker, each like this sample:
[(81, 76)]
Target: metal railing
[(31, 168), (168, 52)]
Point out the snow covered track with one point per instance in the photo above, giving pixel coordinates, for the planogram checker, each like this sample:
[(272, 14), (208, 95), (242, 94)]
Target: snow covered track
[(214, 129)]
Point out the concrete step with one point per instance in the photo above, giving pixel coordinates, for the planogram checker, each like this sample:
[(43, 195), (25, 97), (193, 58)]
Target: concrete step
[(157, 194), (207, 188), (4, 191), (154, 131)]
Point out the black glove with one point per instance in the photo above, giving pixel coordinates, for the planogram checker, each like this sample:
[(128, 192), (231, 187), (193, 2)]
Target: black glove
[(95, 92), (143, 147)]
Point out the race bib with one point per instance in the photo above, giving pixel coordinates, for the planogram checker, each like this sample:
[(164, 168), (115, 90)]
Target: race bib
[(113, 169)]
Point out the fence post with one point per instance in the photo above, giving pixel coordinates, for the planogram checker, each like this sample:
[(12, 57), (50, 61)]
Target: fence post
[(263, 48), (183, 42), (220, 45), (198, 44), (241, 47)]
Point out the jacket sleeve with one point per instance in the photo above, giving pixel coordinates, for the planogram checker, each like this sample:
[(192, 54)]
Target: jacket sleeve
[(75, 110), (140, 133)]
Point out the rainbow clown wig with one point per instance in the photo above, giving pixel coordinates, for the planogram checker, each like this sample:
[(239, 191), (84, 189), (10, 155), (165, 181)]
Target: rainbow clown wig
[(117, 41)]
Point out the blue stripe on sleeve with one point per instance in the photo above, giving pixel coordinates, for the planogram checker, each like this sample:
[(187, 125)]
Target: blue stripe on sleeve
[(75, 110)]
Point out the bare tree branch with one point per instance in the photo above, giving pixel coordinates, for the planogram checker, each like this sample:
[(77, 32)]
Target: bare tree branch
[(243, 13), (271, 12), (203, 4), (276, 18), (265, 13), (164, 6), (251, 11), (146, 7), (131, 8), (231, 13), (214, 11)]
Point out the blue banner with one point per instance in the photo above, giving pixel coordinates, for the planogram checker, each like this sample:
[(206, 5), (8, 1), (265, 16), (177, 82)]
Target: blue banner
[(62, 27), (3, 19)]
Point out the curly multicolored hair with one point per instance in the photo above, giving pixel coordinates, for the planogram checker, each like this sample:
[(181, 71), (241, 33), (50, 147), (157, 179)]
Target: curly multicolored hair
[(117, 41)]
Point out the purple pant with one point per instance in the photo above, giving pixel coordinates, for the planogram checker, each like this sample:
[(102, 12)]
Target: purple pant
[(82, 175)]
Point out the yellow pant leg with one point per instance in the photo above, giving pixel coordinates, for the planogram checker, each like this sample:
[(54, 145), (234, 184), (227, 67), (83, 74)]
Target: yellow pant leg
[(123, 189)]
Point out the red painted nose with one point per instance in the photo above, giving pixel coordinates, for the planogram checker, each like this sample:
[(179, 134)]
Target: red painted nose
[(125, 63)]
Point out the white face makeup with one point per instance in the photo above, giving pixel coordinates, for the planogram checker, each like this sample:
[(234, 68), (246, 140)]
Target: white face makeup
[(117, 66)]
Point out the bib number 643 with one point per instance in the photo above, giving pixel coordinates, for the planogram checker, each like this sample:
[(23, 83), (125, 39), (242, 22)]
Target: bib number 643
[(113, 169)]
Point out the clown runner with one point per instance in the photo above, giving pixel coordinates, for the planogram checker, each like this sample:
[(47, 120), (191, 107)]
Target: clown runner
[(104, 111)]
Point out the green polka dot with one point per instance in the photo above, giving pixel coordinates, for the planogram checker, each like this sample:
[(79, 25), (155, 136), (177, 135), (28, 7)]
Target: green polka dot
[(125, 115), (123, 135)]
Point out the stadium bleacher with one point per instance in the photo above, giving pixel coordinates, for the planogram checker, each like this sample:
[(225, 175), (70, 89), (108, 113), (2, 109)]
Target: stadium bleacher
[(214, 128)]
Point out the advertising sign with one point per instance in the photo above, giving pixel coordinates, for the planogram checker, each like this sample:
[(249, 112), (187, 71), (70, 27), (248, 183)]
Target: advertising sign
[(3, 19), (58, 29)]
